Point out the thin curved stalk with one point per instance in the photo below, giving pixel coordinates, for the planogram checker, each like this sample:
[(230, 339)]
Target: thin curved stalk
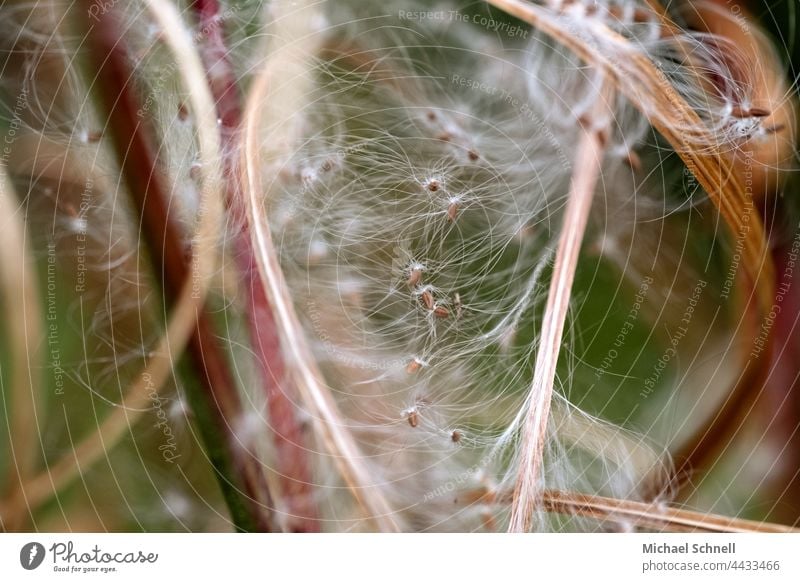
[(216, 399), (25, 334), (181, 324), (291, 462), (330, 425), (586, 173)]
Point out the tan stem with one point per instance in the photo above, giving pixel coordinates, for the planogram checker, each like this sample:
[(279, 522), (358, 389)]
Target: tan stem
[(271, 98), (183, 317), (24, 329), (586, 173), (652, 516)]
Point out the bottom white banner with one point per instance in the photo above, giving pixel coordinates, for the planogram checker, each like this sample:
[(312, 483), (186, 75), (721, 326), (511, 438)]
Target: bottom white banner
[(406, 557)]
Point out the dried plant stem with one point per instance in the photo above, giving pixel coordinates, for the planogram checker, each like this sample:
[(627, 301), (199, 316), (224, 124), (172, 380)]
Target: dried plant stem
[(588, 159), (782, 399), (703, 446), (189, 295), (217, 402), (265, 99), (291, 460), (24, 331), (632, 513), (666, 110), (38, 157), (652, 516), (629, 514)]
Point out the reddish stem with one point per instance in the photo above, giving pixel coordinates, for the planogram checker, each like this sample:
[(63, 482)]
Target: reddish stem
[(165, 243), (781, 408), (291, 459)]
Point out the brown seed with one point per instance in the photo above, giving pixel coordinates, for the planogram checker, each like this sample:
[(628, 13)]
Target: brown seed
[(774, 128), (441, 312), (327, 165), (602, 137), (638, 16), (413, 418), (183, 112), (452, 211), (741, 113), (634, 161), (94, 136), (473, 155), (455, 436), (414, 277), (432, 115), (413, 366), (427, 300), (444, 137), (433, 185)]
